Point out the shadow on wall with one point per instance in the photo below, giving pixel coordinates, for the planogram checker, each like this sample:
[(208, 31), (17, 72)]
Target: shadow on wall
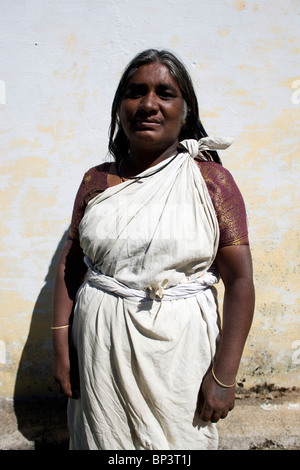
[(41, 413)]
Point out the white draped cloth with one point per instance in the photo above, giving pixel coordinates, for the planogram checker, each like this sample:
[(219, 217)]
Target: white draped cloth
[(146, 322)]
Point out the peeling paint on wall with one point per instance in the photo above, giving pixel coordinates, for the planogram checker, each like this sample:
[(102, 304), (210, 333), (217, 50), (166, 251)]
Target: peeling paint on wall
[(63, 62)]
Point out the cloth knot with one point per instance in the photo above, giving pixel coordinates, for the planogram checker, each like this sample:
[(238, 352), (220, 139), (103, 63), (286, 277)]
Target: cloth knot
[(157, 290), (194, 147)]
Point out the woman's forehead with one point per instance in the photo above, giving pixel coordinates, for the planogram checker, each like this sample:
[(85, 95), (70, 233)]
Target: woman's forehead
[(153, 73)]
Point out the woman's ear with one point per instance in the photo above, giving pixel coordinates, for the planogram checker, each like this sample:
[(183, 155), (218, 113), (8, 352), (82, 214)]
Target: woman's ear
[(184, 113)]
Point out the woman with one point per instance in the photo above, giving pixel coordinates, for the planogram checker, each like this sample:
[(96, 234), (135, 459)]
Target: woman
[(156, 228)]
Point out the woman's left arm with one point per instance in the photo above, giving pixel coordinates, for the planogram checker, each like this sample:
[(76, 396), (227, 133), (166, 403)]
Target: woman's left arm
[(235, 267)]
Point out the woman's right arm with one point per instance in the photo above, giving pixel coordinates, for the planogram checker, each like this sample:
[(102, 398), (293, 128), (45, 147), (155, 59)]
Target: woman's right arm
[(70, 274)]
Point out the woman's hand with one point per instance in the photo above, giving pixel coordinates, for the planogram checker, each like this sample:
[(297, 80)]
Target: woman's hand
[(214, 401), (65, 364), (66, 375), (61, 373)]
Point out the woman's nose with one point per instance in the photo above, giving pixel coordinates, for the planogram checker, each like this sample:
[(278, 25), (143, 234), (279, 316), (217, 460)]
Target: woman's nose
[(149, 102)]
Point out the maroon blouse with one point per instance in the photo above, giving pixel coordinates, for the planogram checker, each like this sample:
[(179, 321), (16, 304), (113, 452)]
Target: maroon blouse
[(224, 193)]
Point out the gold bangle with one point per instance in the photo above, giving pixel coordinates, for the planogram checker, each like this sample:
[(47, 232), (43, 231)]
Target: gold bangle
[(59, 327), (218, 381)]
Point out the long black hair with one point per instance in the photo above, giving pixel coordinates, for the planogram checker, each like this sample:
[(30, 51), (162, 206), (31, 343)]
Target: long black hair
[(192, 128)]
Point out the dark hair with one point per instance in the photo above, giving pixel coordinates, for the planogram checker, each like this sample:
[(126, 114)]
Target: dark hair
[(192, 129)]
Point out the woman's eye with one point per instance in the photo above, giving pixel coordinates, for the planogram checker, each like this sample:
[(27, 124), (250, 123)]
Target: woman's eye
[(167, 95), (166, 92), (132, 95), (134, 92)]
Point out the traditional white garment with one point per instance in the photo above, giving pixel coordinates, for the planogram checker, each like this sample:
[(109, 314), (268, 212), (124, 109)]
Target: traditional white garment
[(146, 321)]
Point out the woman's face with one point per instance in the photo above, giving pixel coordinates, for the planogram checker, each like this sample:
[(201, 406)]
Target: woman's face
[(152, 110)]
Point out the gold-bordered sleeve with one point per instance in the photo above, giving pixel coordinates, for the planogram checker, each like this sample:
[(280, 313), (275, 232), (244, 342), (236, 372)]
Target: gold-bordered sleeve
[(228, 203), (94, 182)]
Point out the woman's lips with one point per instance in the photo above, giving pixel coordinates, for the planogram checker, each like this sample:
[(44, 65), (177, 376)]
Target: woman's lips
[(147, 123)]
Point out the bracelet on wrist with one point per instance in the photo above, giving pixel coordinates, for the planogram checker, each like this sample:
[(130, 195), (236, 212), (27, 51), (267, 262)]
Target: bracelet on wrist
[(219, 382), (59, 327)]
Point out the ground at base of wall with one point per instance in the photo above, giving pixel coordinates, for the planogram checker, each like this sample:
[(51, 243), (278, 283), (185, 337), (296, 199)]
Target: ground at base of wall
[(261, 420)]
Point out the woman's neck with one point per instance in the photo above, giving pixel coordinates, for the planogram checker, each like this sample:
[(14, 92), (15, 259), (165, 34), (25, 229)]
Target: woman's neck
[(140, 160)]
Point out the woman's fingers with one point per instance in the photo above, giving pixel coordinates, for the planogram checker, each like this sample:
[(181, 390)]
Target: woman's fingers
[(208, 414), (214, 402), (64, 386)]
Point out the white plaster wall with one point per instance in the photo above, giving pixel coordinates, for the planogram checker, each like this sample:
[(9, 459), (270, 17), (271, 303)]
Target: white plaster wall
[(60, 62)]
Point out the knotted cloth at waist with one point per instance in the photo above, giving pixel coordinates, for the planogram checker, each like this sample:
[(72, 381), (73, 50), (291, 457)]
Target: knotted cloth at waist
[(157, 291)]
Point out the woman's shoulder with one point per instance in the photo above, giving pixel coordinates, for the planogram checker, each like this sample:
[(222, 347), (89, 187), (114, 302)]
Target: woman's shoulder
[(228, 203), (214, 171), (96, 172), (217, 178), (96, 177), (93, 182)]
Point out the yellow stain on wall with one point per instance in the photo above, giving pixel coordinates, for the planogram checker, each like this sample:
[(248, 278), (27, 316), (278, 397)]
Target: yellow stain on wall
[(70, 68), (204, 113), (223, 32), (174, 41), (247, 98), (60, 131), (240, 5), (16, 143), (252, 69), (71, 43), (240, 92), (270, 141), (40, 202), (73, 72), (23, 167), (15, 320), (27, 340), (292, 83), (17, 171)]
